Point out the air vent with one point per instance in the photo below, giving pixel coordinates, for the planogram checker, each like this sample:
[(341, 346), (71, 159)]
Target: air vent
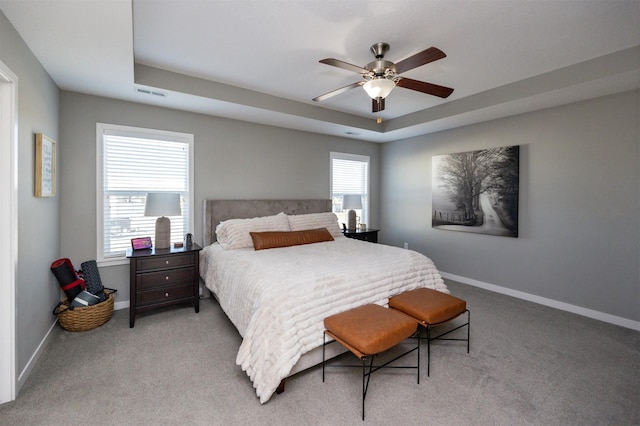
[(151, 92)]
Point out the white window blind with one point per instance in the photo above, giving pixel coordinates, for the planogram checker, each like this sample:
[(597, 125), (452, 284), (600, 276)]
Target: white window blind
[(131, 163), (349, 175)]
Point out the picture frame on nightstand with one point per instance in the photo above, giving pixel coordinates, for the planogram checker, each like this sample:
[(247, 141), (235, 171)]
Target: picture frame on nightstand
[(142, 243)]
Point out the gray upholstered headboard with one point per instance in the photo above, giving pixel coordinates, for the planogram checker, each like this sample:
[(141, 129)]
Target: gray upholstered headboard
[(216, 211)]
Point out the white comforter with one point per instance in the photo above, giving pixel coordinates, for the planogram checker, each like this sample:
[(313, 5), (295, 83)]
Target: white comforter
[(278, 298)]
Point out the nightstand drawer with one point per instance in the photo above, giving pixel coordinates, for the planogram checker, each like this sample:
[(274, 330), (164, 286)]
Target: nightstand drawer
[(165, 294), (164, 278), (151, 263)]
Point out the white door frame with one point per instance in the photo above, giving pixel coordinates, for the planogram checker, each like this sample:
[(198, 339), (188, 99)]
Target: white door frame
[(8, 230)]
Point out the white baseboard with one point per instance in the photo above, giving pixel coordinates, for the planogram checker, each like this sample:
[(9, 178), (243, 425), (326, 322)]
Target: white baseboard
[(22, 377), (121, 305), (601, 316)]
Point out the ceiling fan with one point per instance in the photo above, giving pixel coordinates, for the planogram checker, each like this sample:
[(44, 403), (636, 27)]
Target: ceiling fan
[(380, 76)]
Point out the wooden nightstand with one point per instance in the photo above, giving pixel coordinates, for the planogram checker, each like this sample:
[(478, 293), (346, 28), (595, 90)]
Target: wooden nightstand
[(370, 235), (163, 277)]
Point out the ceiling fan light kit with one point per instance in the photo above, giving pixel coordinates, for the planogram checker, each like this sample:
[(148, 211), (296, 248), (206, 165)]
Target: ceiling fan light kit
[(382, 76), (379, 87)]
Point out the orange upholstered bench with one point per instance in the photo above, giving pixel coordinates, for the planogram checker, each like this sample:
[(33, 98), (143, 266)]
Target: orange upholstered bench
[(431, 308), (367, 331)]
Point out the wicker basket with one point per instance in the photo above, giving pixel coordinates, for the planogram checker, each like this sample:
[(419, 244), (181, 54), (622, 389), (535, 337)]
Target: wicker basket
[(85, 318)]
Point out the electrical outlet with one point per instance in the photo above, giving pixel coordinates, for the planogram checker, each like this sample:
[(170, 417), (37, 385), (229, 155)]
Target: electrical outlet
[(406, 245)]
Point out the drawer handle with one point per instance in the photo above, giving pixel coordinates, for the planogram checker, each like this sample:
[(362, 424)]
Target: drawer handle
[(166, 295), (166, 262), (166, 278)]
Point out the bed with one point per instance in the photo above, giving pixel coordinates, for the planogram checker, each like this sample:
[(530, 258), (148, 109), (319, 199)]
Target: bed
[(277, 298)]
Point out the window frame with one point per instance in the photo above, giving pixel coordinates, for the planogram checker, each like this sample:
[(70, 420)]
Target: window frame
[(366, 200), (142, 133)]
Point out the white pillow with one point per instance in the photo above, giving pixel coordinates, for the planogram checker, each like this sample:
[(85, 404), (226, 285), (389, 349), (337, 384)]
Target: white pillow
[(328, 220), (235, 234)]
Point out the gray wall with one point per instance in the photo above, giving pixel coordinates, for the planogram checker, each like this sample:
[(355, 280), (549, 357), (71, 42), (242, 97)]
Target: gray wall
[(37, 292), (233, 160), (579, 220)]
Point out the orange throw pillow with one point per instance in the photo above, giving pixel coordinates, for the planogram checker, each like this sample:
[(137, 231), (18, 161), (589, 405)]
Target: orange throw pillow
[(275, 239)]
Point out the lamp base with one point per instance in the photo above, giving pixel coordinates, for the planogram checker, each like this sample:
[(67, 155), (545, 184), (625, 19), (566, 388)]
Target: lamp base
[(351, 220), (163, 233)]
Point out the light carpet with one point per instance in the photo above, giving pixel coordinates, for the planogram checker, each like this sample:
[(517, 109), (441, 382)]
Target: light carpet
[(529, 364)]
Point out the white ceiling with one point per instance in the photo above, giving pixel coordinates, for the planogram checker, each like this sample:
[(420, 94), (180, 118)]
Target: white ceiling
[(257, 60)]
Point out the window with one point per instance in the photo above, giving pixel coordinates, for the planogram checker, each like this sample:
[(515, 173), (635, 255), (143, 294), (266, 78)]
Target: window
[(131, 162), (349, 175)]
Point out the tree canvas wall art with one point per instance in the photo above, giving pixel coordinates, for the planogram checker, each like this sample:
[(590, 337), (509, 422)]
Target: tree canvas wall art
[(477, 191)]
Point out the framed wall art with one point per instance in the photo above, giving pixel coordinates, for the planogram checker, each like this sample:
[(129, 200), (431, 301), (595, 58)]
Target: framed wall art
[(45, 166), (477, 191)]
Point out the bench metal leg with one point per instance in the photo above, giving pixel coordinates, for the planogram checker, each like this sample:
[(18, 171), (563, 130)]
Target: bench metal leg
[(366, 375), (441, 336), (365, 387)]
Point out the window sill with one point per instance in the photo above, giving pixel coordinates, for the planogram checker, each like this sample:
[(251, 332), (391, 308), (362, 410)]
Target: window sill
[(113, 262)]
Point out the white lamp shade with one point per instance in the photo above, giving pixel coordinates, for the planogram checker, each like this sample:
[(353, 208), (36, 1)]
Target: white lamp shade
[(162, 204), (379, 87), (352, 201)]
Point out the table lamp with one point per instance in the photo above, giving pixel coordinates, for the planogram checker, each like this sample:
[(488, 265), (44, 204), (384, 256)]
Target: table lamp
[(162, 204), (351, 201)]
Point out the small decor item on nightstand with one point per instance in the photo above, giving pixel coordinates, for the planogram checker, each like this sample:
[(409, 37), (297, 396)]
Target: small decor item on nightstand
[(188, 240), (142, 243)]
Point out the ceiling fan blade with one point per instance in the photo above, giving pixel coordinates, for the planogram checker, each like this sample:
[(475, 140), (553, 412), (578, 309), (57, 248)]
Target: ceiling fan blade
[(344, 65), (377, 105), (428, 88), (338, 91), (428, 55)]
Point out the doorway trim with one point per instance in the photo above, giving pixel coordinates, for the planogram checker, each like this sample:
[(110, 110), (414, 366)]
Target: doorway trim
[(8, 230)]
